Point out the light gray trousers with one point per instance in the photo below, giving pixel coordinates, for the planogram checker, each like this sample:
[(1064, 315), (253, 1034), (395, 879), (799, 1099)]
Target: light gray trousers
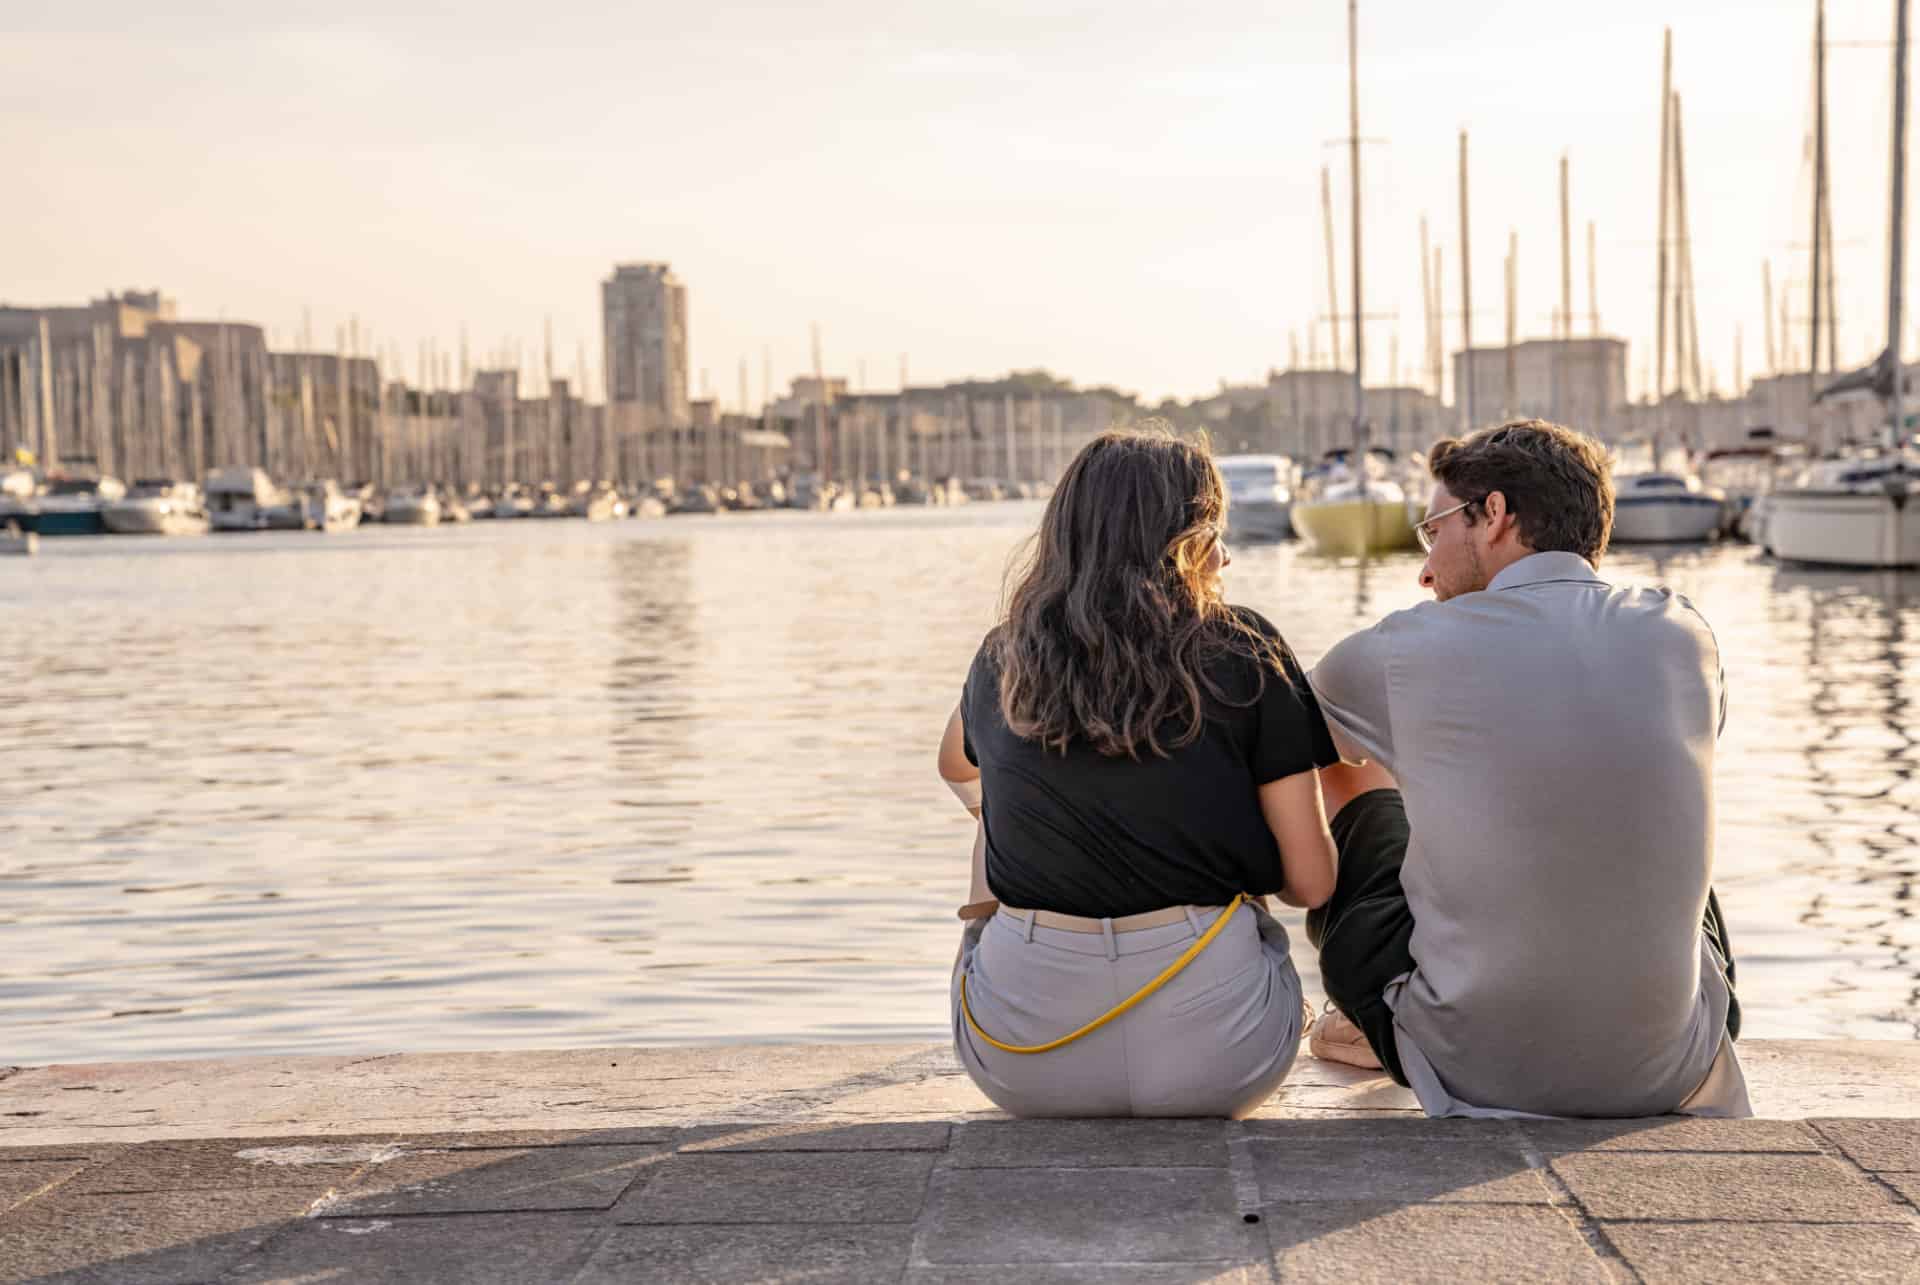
[(1217, 1040)]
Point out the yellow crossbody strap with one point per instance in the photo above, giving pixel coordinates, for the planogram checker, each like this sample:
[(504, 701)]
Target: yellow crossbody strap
[(1167, 974)]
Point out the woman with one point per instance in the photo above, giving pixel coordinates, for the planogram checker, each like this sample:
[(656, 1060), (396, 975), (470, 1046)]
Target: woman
[(1146, 755)]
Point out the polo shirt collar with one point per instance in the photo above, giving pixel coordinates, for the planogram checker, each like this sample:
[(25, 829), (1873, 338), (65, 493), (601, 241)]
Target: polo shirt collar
[(1539, 568)]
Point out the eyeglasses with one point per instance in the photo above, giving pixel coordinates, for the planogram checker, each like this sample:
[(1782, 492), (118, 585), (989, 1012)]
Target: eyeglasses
[(1423, 529)]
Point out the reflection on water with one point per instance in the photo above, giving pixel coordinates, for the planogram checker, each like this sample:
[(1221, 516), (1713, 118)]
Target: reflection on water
[(547, 784)]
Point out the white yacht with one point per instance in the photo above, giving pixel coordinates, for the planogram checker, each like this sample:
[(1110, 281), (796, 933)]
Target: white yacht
[(1665, 508), (157, 506), (325, 507), (1352, 512), (73, 505), (19, 500), (412, 507), (1856, 511), (1259, 496), (599, 503), (238, 499)]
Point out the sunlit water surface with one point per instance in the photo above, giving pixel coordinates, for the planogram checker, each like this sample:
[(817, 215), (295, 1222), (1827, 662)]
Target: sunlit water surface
[(550, 784)]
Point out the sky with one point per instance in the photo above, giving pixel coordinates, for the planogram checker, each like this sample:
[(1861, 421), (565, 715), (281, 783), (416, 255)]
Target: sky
[(1123, 192)]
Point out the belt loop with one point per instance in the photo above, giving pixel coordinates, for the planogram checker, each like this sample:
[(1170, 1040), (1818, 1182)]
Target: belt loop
[(1033, 916), (1193, 920), (1106, 930)]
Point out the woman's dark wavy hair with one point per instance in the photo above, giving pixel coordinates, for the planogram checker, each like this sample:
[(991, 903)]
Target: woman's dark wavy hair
[(1115, 611)]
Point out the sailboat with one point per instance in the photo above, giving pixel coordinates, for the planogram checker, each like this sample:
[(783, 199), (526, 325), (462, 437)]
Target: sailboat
[(1350, 508), (1863, 509)]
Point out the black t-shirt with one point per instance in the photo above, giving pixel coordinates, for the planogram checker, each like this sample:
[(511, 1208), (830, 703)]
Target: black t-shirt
[(1085, 834)]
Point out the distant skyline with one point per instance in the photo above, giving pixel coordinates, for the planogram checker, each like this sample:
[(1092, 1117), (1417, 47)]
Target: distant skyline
[(1124, 193)]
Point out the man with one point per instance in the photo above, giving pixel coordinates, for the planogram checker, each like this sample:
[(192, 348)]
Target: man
[(1523, 923)]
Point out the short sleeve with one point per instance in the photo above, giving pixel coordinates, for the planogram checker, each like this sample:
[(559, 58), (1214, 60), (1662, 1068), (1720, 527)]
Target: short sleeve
[(1351, 683), (979, 675), (1290, 734)]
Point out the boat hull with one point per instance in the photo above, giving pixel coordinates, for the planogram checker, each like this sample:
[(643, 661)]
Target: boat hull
[(141, 517), (1253, 520), (1667, 519), (412, 514), (1353, 528), (1844, 529), (70, 522)]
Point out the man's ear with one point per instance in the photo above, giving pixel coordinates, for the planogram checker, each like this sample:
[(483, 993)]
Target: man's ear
[(1499, 514)]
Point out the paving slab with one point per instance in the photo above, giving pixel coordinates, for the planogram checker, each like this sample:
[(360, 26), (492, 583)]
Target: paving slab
[(1027, 1144), (1749, 1188), (783, 1187), (154, 1238), (729, 1255), (26, 1179), (509, 1249), (1375, 1126), (1017, 1217), (1906, 1185), (1224, 1273), (485, 1181), (901, 1136), (1768, 1252), (1878, 1145), (1356, 1242), (236, 1164), (1404, 1170), (1669, 1133)]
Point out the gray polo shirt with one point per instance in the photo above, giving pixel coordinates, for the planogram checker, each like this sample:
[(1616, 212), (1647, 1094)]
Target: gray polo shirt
[(1553, 737)]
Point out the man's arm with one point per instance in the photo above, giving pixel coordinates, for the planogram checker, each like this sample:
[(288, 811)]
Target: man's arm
[(1350, 683)]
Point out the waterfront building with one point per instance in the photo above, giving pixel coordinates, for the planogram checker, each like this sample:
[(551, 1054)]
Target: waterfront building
[(1578, 382), (644, 329), (1311, 411)]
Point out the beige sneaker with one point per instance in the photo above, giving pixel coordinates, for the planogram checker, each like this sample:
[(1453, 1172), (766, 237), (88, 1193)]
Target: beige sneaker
[(1336, 1039)]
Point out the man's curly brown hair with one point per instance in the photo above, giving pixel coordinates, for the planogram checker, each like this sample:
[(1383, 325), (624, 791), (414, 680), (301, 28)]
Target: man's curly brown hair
[(1558, 483)]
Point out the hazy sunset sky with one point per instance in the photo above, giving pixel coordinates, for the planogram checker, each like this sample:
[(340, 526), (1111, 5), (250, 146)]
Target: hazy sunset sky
[(1123, 192)]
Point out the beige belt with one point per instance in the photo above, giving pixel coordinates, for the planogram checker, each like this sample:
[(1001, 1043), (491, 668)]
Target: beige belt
[(1124, 923)]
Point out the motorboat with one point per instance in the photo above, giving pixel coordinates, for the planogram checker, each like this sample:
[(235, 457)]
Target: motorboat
[(1665, 508), (698, 499), (411, 506), (74, 505), (1860, 510), (325, 507), (598, 504), (1348, 511), (453, 509), (513, 502), (157, 506), (1259, 496), (238, 499)]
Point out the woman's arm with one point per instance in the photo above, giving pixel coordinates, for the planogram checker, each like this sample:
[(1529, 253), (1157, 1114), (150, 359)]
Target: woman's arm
[(960, 775), (1298, 819)]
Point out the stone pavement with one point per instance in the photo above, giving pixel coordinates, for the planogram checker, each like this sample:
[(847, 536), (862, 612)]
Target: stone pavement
[(856, 1163)]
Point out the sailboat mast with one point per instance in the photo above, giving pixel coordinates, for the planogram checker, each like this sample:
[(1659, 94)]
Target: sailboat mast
[(1666, 169), (1333, 284), (1897, 231), (1819, 186), (1426, 297), (1353, 161), (1466, 295)]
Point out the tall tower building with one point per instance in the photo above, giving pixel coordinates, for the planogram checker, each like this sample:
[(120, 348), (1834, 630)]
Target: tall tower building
[(644, 320)]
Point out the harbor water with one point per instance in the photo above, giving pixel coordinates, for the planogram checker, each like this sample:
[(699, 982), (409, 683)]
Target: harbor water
[(558, 784)]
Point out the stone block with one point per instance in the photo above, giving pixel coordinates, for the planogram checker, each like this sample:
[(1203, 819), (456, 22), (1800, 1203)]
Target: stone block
[(1879, 1145), (145, 1239), (521, 1139), (1017, 1217), (219, 1164), (901, 1136), (1906, 1184), (1105, 1273), (783, 1187), (1348, 1242), (1765, 1252), (474, 1181), (1669, 1133), (1754, 1188), (1036, 1144), (1385, 1128), (461, 1249), (725, 1255), (1407, 1171), (22, 1180)]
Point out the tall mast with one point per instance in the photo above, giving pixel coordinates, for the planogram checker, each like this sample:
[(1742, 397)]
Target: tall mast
[(1353, 162), (1593, 286), (1819, 185), (1426, 297), (1466, 294), (1333, 284), (1685, 319), (1560, 398), (1507, 408), (1766, 310), (1897, 231), (1666, 169)]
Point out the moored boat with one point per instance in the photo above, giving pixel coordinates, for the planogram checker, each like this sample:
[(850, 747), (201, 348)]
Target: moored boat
[(1857, 511), (411, 507), (73, 505), (1259, 496), (238, 499), (157, 506), (1665, 508), (1347, 512), (325, 507)]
